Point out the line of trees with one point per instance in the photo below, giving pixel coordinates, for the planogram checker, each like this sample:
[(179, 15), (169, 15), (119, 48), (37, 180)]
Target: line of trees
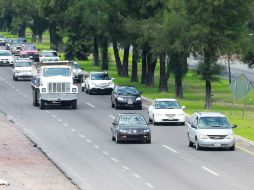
[(154, 32)]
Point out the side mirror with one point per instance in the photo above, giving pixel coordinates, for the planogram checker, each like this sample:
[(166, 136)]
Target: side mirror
[(233, 126), (193, 126), (140, 92), (113, 79), (183, 107), (114, 123)]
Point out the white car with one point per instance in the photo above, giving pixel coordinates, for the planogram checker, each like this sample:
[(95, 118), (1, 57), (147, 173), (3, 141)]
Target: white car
[(6, 58), (48, 55), (98, 82), (22, 69), (166, 110)]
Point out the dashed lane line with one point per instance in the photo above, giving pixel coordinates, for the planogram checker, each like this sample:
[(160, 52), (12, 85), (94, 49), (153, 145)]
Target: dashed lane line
[(114, 159), (88, 141), (171, 149), (96, 146), (125, 167), (59, 120), (149, 185), (53, 116), (91, 105), (136, 176), (66, 125), (82, 136), (210, 171), (105, 153), (73, 130), (111, 116)]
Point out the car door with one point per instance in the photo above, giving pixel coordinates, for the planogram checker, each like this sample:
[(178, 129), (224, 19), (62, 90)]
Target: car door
[(150, 110), (114, 126), (114, 95), (192, 128)]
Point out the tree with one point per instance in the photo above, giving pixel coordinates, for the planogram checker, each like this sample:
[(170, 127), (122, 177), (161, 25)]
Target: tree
[(213, 25)]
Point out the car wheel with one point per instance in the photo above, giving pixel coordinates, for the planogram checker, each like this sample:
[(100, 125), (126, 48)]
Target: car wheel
[(232, 148), (182, 123), (190, 142), (83, 89), (112, 105), (42, 104), (15, 78), (116, 139), (197, 145), (113, 138), (148, 141), (154, 123), (89, 91), (74, 104), (116, 105), (149, 119)]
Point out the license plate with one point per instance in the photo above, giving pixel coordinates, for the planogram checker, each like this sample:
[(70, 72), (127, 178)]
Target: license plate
[(130, 101), (171, 118), (217, 145)]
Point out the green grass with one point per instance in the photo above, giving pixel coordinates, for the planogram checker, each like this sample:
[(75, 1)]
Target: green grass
[(193, 86)]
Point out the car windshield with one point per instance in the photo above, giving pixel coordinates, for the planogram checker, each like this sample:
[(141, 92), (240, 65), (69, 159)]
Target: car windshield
[(49, 72), (29, 48), (49, 54), (76, 66), (5, 53), (131, 120), (127, 90), (18, 41), (24, 64), (167, 105), (100, 76), (213, 122)]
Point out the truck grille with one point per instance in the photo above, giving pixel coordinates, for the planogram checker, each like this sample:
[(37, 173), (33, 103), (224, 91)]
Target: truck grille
[(59, 87)]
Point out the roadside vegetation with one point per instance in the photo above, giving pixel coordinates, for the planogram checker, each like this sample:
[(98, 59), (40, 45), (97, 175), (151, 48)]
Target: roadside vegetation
[(146, 43)]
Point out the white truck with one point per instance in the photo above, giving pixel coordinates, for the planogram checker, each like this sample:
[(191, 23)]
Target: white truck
[(52, 83)]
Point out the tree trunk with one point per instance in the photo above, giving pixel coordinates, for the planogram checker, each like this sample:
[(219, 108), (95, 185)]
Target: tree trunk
[(229, 70), (95, 52), (104, 65), (208, 97), (40, 38), (163, 86), (178, 87), (22, 31), (144, 67), (126, 61), (34, 37), (117, 58), (55, 39), (151, 62), (134, 73)]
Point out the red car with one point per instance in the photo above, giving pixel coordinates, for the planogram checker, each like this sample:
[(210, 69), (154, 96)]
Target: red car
[(29, 51)]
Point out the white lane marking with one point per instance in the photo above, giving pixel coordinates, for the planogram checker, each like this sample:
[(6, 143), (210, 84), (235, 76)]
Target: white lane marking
[(169, 148), (65, 124), (82, 136), (106, 153), (136, 176), (91, 105), (88, 140), (114, 159), (96, 146), (210, 171), (73, 130), (17, 90), (25, 96), (13, 87), (59, 120), (53, 115), (125, 167), (149, 185), (111, 116), (47, 111)]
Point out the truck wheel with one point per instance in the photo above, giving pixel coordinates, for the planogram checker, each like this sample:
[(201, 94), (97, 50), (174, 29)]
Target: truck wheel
[(42, 104), (15, 78), (74, 104), (83, 89), (35, 98)]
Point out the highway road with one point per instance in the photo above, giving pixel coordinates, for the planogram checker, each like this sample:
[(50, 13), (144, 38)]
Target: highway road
[(79, 143)]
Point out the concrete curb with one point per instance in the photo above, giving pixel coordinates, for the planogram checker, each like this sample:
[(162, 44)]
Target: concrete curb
[(188, 115)]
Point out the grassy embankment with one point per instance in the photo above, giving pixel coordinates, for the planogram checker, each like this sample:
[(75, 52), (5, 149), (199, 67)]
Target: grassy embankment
[(194, 92)]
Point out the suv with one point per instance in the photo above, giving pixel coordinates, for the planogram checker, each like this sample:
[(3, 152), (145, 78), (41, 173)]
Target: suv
[(48, 55), (210, 129), (98, 82)]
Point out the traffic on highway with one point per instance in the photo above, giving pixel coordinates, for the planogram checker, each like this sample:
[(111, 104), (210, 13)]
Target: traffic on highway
[(138, 145)]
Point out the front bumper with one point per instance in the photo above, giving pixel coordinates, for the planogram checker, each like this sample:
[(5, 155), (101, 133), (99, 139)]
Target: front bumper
[(23, 75), (102, 89), (134, 137), (168, 119), (58, 97), (211, 143), (6, 62), (129, 104)]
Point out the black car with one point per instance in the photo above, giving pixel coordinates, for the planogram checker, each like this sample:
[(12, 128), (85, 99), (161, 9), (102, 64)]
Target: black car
[(126, 96), (130, 127)]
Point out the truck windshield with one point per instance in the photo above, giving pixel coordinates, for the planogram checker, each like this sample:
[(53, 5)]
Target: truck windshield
[(49, 54), (50, 72), (24, 64)]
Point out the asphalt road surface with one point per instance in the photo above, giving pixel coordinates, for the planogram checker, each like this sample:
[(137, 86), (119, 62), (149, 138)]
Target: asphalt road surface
[(79, 142)]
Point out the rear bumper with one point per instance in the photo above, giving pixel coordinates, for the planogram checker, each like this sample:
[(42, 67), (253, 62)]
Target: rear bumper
[(58, 97), (23, 75)]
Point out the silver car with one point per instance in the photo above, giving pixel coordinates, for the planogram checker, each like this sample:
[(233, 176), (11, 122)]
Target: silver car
[(210, 129)]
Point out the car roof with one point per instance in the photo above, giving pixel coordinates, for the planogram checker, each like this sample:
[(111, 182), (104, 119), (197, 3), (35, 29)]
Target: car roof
[(130, 114), (211, 114), (98, 72), (165, 99), (23, 60), (48, 51)]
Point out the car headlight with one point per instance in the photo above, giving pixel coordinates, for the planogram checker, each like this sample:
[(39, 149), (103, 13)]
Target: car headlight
[(43, 90), (122, 130), (230, 136), (201, 136), (110, 83), (146, 130), (92, 83), (74, 90), (120, 99), (181, 114), (138, 98), (158, 114), (17, 71)]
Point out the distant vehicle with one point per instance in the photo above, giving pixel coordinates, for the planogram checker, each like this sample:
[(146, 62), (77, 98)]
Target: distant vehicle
[(210, 129), (78, 74), (22, 69), (126, 96), (130, 127), (8, 43), (6, 58), (16, 45), (52, 83), (48, 55), (98, 82), (29, 51), (166, 110), (2, 42)]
